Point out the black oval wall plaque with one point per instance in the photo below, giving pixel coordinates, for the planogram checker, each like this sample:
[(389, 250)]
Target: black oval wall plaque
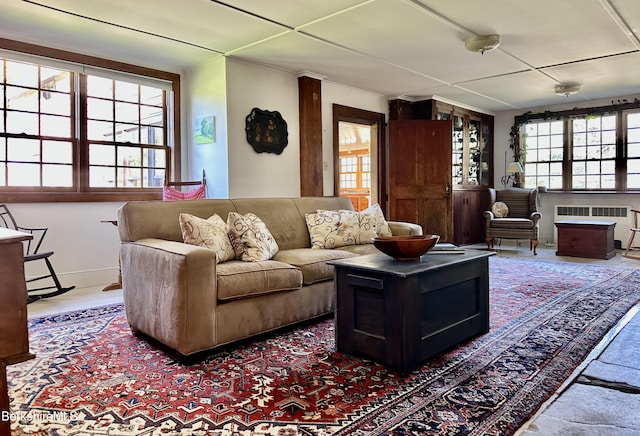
[(266, 131)]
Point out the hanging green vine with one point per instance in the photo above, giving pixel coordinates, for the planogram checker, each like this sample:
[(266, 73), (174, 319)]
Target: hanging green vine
[(515, 144)]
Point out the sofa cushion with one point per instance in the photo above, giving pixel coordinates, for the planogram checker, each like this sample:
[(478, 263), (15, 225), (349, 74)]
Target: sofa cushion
[(333, 229), (251, 240), (236, 279), (312, 263), (210, 233), (359, 250)]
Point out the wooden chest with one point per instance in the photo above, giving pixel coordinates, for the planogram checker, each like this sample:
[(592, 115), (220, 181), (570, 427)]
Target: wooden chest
[(592, 239)]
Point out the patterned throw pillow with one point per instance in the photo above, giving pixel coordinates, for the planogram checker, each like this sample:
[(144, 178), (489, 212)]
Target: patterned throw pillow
[(333, 229), (251, 240), (210, 233), (382, 227), (500, 209), (170, 193)]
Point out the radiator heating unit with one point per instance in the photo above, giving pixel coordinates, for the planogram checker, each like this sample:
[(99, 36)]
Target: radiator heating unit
[(621, 215)]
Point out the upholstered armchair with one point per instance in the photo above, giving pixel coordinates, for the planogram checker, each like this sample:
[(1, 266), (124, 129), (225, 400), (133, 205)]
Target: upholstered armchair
[(513, 214)]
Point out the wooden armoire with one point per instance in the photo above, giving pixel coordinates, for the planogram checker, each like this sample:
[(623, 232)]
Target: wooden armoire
[(471, 161)]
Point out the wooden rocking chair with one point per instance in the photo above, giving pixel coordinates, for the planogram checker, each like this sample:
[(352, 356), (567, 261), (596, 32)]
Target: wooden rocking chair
[(170, 193), (32, 253)]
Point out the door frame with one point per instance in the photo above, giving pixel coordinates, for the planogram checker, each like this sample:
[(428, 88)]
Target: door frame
[(361, 116)]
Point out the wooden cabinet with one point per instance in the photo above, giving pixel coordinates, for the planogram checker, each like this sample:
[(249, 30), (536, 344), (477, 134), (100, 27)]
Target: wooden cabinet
[(468, 215), (471, 161), (14, 337)]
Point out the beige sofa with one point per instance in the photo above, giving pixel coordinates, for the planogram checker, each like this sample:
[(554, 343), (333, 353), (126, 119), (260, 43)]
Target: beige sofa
[(178, 295)]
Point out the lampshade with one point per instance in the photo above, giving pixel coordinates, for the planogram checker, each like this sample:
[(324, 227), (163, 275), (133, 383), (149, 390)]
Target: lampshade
[(514, 167), (482, 43), (567, 89)]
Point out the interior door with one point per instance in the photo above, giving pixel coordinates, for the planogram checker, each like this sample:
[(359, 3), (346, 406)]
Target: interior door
[(420, 175)]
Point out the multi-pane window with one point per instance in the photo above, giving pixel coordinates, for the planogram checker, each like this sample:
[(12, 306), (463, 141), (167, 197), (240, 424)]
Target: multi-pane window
[(126, 134), (36, 140), (349, 172), (593, 163), (633, 149), (355, 171), (81, 130), (544, 154), (583, 152)]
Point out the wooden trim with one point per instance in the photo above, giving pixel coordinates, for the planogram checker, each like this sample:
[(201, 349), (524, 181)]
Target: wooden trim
[(310, 107), (361, 116)]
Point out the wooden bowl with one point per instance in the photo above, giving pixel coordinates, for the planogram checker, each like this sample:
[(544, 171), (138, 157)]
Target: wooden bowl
[(405, 247)]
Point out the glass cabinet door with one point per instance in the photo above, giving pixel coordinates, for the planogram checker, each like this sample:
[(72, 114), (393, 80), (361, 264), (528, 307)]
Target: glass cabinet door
[(473, 158), (457, 153)]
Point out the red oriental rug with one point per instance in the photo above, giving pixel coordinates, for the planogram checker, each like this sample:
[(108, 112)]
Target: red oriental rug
[(92, 377)]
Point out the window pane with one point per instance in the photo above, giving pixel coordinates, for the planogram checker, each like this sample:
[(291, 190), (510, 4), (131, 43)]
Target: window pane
[(57, 152), (55, 126), (100, 130), (130, 156), (99, 87), (19, 73), (23, 174), (22, 99), (126, 91), (23, 150), (152, 96), (100, 109), (150, 115), (100, 177), (21, 122), (55, 80), (57, 175), (130, 177), (102, 154), (128, 133), (555, 182), (127, 112), (55, 103)]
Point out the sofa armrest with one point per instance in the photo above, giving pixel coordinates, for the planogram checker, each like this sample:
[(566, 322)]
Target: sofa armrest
[(169, 292), (399, 228)]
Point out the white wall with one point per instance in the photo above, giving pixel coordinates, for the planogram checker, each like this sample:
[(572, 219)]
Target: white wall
[(206, 95), (85, 249), (254, 174), (548, 201)]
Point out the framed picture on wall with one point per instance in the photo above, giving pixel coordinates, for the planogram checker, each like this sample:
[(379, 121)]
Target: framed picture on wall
[(205, 130)]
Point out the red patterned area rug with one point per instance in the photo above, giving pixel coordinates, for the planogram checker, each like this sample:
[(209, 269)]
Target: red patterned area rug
[(92, 377)]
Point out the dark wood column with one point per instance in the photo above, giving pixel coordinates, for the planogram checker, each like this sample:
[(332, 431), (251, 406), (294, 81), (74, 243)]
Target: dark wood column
[(310, 102)]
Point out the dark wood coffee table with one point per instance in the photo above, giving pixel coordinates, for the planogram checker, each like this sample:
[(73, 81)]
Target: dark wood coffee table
[(401, 313)]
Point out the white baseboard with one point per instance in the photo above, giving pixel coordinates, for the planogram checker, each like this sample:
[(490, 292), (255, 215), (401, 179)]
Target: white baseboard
[(85, 279)]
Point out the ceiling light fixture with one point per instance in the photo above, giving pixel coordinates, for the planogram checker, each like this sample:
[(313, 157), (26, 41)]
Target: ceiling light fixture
[(567, 89), (482, 43)]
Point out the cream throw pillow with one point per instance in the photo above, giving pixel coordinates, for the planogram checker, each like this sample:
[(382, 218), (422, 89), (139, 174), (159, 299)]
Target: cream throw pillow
[(251, 240), (334, 229), (500, 209), (210, 233), (382, 227)]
